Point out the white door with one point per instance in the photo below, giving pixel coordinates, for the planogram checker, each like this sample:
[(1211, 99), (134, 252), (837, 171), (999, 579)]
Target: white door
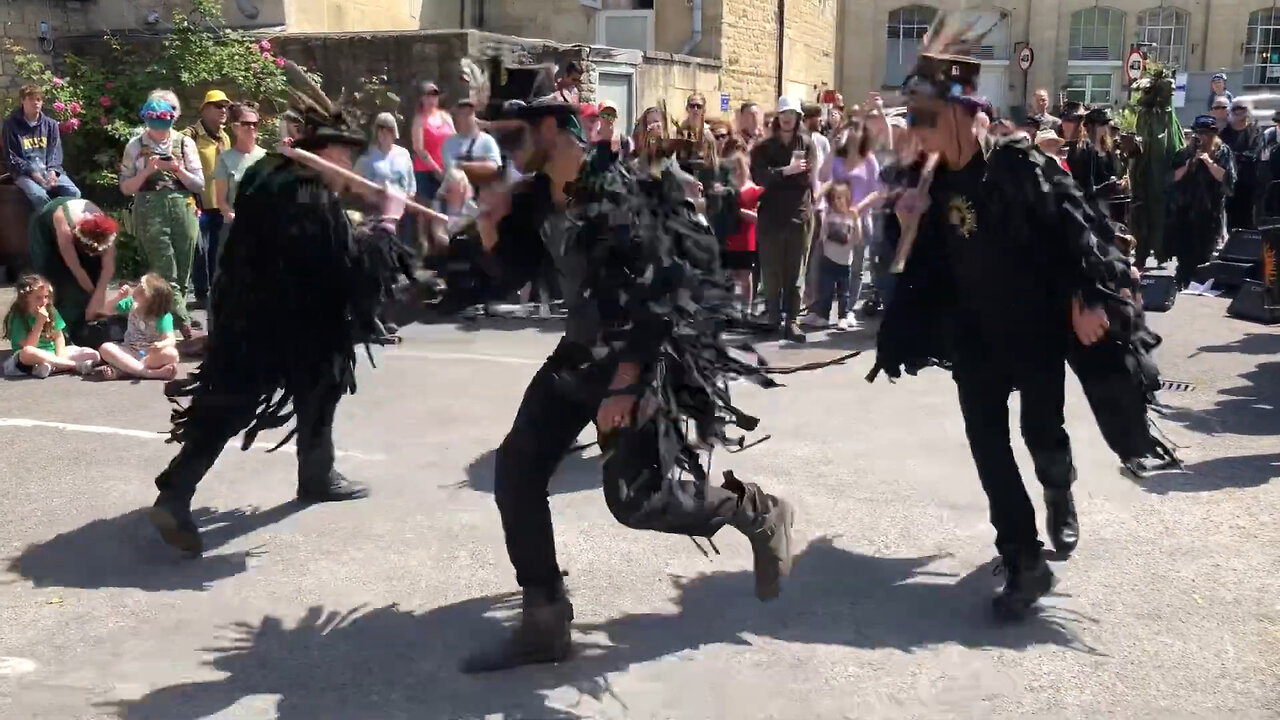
[(617, 88), (993, 84)]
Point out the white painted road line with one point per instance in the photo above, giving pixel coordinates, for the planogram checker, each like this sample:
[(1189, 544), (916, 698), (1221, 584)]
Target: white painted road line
[(511, 360), (143, 434)]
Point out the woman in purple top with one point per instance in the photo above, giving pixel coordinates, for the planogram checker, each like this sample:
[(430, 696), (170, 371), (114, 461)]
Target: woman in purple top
[(856, 165)]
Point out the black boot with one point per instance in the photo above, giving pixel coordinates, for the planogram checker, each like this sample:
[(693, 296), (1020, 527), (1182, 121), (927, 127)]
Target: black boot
[(766, 520), (1140, 468), (333, 488), (541, 637), (1064, 527), (1027, 579), (172, 518)]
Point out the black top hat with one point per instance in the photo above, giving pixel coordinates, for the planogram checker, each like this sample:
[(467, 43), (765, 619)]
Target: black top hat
[(1073, 110), (946, 77), (1097, 116)]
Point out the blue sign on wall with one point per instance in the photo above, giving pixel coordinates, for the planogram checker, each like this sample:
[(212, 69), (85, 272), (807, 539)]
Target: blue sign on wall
[(724, 102)]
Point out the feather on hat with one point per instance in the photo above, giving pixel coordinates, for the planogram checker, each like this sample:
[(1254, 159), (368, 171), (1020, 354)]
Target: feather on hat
[(327, 122), (945, 67)]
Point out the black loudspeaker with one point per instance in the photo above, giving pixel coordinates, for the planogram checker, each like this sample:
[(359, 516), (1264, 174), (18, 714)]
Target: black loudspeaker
[(1228, 274), (1159, 291), (1251, 304), (1242, 246)]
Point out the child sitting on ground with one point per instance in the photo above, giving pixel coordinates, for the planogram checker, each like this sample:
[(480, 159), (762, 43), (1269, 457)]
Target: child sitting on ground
[(35, 329), (150, 347)]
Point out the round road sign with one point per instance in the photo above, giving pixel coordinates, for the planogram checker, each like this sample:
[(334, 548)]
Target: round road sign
[(1134, 65), (1026, 56)]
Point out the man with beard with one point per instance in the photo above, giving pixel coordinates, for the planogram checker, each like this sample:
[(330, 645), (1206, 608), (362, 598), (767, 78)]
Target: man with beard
[(641, 357), (1008, 262)]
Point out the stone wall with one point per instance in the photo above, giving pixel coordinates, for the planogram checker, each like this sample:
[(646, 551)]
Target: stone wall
[(131, 15), (20, 23), (664, 76), (809, 58), (407, 58), (749, 50)]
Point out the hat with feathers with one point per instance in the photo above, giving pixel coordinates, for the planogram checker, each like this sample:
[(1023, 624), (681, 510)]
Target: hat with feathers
[(328, 122), (945, 67)]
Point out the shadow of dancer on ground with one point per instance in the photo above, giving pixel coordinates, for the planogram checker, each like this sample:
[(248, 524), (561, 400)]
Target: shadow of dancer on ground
[(125, 552), (392, 664), (1249, 409), (579, 471), (1250, 344)]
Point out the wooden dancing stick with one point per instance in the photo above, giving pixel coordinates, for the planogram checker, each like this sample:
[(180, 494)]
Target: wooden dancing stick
[(911, 224), (315, 162)]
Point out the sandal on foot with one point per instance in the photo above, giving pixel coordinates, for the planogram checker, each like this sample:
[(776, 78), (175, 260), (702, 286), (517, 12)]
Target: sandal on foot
[(104, 372)]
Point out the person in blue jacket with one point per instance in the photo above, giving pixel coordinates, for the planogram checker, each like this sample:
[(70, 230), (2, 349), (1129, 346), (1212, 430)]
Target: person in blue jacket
[(33, 150)]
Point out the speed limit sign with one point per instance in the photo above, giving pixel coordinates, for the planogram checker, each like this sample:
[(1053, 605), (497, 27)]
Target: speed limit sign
[(1026, 56)]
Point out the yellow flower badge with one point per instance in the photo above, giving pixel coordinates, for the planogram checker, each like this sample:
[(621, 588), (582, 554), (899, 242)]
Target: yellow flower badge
[(960, 213)]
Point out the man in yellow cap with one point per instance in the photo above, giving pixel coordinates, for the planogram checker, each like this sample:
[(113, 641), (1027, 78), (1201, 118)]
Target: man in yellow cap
[(211, 139)]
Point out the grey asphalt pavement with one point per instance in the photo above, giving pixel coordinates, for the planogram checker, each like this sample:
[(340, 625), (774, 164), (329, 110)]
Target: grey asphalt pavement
[(360, 611)]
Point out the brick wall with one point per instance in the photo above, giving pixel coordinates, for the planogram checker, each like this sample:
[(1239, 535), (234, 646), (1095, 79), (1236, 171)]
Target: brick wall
[(20, 22)]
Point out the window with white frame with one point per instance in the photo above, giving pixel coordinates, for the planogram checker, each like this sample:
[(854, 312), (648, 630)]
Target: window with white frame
[(1262, 48), (996, 45), (1166, 27), (906, 28), (1092, 89), (625, 29), (1097, 35)]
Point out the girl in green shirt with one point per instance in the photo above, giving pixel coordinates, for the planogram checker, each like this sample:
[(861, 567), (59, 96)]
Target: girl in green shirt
[(35, 334), (149, 349)]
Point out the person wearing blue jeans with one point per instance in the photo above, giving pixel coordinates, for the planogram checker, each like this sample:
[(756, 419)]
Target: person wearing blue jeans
[(33, 150)]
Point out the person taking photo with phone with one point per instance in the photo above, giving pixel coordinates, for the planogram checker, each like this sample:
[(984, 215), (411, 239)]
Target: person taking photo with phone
[(161, 171)]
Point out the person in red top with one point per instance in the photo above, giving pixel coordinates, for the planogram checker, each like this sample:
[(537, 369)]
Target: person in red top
[(431, 126), (740, 247)]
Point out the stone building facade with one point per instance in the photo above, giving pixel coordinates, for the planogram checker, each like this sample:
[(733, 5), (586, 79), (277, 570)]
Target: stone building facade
[(1079, 46), (20, 24), (743, 36)]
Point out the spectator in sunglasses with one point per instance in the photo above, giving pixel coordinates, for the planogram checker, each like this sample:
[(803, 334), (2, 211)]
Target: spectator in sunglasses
[(698, 155), (232, 163)]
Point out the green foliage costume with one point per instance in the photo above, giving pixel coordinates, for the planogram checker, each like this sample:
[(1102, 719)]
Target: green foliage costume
[(1161, 137)]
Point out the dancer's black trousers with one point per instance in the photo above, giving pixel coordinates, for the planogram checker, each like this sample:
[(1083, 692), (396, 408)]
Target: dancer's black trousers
[(563, 397), (984, 388), (214, 421)]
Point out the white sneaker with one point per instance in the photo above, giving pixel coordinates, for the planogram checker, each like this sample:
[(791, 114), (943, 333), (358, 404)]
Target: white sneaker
[(851, 321), (544, 311), (843, 324), (813, 320), (84, 367), (42, 370)]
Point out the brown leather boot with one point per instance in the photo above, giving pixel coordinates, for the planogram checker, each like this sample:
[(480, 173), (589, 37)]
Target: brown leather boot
[(542, 636)]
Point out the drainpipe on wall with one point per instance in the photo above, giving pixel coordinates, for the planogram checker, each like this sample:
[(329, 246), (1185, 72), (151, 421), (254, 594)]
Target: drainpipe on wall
[(1204, 46), (696, 37), (782, 44)]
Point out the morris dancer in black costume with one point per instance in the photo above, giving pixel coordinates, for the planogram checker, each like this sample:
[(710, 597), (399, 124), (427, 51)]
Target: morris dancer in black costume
[(292, 253), (640, 358), (1010, 260)]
